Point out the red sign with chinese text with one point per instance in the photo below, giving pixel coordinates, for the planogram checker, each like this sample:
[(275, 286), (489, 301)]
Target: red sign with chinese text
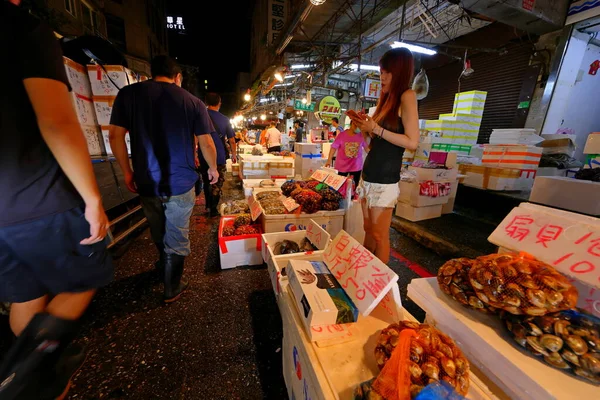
[(335, 181), (363, 276), (319, 175)]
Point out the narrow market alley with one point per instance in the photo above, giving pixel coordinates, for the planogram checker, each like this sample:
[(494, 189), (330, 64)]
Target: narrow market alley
[(221, 340)]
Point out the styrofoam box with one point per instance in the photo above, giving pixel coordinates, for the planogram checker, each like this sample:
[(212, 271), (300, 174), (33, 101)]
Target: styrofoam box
[(78, 78), (108, 80), (486, 344), (271, 239), (92, 137), (250, 184), (235, 251), (107, 141), (567, 193), (416, 214), (84, 107), (435, 175), (592, 144), (103, 106), (307, 148), (331, 221)]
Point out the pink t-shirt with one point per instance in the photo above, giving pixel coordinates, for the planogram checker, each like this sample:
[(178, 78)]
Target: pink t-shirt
[(349, 155)]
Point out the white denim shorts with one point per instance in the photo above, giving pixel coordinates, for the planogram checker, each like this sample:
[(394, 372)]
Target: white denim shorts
[(379, 194)]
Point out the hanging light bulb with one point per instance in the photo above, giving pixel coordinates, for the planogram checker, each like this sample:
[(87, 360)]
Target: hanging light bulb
[(263, 117), (279, 77), (247, 96), (317, 2), (304, 101)]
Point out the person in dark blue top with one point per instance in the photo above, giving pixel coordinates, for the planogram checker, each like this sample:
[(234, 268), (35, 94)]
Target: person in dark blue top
[(223, 136), (165, 124), (53, 252)]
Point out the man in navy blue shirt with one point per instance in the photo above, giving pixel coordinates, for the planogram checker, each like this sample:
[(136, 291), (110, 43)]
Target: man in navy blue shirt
[(52, 224), (165, 124), (222, 136)]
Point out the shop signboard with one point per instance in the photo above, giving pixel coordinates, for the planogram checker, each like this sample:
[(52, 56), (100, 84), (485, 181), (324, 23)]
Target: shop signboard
[(277, 16), (580, 10), (298, 105), (329, 107), (372, 88)]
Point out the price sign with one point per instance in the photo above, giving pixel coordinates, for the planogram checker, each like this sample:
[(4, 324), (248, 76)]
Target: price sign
[(289, 203), (319, 175), (569, 242), (335, 181), (317, 235), (255, 208), (363, 276)]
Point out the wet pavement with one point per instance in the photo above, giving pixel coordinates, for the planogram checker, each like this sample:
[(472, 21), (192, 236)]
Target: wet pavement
[(221, 340)]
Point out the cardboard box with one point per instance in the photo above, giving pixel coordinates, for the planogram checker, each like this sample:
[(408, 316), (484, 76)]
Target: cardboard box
[(84, 108), (103, 106), (567, 193), (416, 214), (281, 169), (435, 175), (109, 79), (511, 156), (550, 171), (235, 251), (472, 102), (93, 138), (410, 194), (318, 295), (499, 179), (106, 141), (78, 78), (592, 144), (448, 208)]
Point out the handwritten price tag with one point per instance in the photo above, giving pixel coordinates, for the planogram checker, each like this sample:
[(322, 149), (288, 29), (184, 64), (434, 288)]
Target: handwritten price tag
[(569, 242), (317, 235), (363, 276), (255, 208), (335, 181), (289, 203), (319, 175)]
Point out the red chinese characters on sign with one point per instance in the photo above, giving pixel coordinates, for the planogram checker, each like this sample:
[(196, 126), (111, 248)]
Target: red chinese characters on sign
[(517, 228), (528, 5), (577, 265), (548, 233)]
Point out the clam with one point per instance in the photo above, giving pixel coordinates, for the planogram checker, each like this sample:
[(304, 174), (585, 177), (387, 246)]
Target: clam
[(594, 344), (431, 370), (570, 357), (513, 310), (510, 272), (523, 267), (521, 341), (546, 324), (415, 370), (577, 344), (446, 280), (554, 298), (590, 363), (587, 375), (462, 365), (414, 357), (532, 329), (446, 350), (549, 281), (579, 331), (449, 366), (556, 361), (535, 311), (476, 284), (483, 297), (551, 342), (560, 327), (528, 282), (535, 345), (462, 384), (435, 341), (537, 297), (416, 348), (451, 381), (381, 358), (448, 269), (475, 302)]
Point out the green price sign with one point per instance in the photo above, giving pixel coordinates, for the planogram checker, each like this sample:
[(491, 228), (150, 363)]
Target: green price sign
[(298, 105)]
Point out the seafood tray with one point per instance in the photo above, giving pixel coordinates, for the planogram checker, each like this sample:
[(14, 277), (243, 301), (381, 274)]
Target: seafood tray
[(489, 347), (270, 240)]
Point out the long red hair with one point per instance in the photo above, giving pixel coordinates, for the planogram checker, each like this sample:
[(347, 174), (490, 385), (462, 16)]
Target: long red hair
[(400, 63)]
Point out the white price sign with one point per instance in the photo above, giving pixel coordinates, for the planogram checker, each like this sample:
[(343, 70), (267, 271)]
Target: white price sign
[(289, 203), (317, 235), (335, 181), (255, 208), (319, 175)]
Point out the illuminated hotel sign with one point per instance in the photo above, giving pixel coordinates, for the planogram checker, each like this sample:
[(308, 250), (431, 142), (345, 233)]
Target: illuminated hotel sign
[(175, 23)]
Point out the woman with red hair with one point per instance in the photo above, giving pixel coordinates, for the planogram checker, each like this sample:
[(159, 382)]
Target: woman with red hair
[(393, 128)]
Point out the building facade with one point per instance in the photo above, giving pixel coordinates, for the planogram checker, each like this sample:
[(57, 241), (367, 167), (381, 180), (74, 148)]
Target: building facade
[(136, 27)]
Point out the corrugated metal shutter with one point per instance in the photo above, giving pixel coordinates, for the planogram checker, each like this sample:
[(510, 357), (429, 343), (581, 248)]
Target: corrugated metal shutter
[(500, 76)]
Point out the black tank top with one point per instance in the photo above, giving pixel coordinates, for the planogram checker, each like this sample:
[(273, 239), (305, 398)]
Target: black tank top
[(384, 160)]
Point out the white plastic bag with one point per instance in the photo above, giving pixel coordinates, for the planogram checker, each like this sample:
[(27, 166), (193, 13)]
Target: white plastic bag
[(421, 84)]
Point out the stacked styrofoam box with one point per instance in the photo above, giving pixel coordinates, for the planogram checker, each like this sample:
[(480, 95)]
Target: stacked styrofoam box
[(106, 81), (81, 93), (307, 159), (463, 124)]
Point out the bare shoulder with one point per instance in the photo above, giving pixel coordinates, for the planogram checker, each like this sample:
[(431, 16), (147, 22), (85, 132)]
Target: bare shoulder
[(409, 95)]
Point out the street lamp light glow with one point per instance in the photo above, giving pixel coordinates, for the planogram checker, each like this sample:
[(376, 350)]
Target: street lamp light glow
[(413, 48), (247, 97), (278, 76), (263, 117), (304, 101)]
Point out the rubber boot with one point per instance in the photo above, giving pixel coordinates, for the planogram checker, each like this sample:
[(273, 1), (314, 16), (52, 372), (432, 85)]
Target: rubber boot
[(30, 363), (160, 263), (175, 285), (214, 207)]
